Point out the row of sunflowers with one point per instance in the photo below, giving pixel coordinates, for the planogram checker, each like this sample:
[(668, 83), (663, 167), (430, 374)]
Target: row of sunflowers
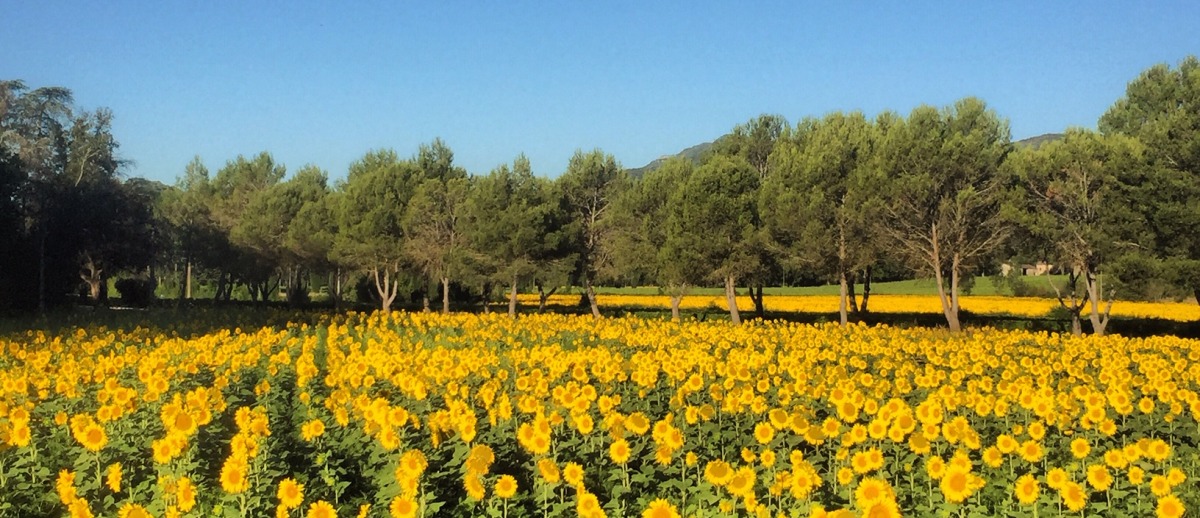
[(1031, 307), (413, 414)]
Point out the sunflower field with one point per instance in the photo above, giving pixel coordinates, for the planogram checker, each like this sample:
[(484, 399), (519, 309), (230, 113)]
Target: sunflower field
[(413, 414)]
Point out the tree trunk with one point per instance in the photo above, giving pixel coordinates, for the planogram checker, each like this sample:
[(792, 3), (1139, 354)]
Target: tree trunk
[(757, 298), (949, 309), (866, 291), (591, 297), (445, 295), (90, 274), (853, 294), (844, 293), (425, 301), (220, 286), (731, 300), (512, 299), (387, 288), (1095, 294), (187, 282), (675, 301), (843, 278), (543, 296)]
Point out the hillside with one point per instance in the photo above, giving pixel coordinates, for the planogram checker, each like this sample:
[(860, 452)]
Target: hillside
[(692, 153), (695, 152)]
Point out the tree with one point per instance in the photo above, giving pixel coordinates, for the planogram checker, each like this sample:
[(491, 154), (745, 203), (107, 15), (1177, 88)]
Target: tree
[(195, 233), (233, 190), (264, 228), (1161, 107), (644, 241), (508, 212), (816, 203), (942, 212), (310, 239), (435, 230), (370, 216), (1072, 195), (591, 185), (712, 220), (754, 141)]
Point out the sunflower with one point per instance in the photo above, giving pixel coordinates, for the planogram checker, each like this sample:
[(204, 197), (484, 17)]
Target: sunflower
[(132, 510), (549, 471), (233, 476), (992, 457), (1056, 478), (93, 437), (403, 508), (1169, 507), (113, 478), (573, 474), (935, 467), (882, 509), (1027, 489), (767, 458), (718, 472), (586, 504), (1098, 477), (764, 432), (1160, 486), (473, 485), (1031, 451), (742, 483), (506, 486), (637, 423), (185, 494), (1074, 496), (871, 491), (619, 451), (321, 509), (1175, 476), (1136, 475), (290, 493), (1080, 448), (660, 509), (956, 485)]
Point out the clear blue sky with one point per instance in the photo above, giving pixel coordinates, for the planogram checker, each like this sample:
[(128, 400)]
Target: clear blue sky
[(322, 82)]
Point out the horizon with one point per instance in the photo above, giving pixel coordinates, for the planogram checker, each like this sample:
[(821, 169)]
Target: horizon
[(322, 84)]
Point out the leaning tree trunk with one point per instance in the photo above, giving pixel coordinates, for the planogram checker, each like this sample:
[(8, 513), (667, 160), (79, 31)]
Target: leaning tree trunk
[(949, 308), (512, 299), (1095, 294), (731, 300), (445, 295), (866, 291), (544, 296), (852, 295), (591, 297)]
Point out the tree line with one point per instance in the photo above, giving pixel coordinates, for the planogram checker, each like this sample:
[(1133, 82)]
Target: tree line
[(940, 192)]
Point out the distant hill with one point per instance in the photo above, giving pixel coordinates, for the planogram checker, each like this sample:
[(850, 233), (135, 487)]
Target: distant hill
[(1034, 142), (693, 153)]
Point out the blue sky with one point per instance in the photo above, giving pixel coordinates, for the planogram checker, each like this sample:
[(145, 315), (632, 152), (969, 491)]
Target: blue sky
[(322, 82)]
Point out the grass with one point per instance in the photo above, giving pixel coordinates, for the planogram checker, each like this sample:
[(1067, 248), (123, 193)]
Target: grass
[(983, 286)]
